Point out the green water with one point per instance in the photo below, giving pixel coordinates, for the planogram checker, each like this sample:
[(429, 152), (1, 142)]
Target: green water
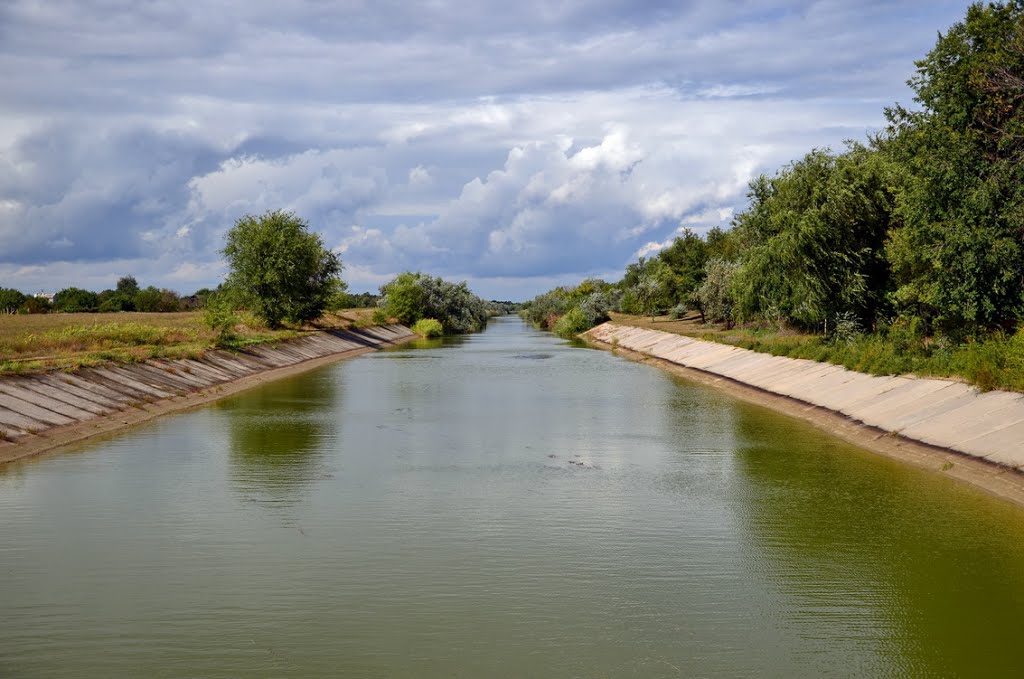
[(500, 505)]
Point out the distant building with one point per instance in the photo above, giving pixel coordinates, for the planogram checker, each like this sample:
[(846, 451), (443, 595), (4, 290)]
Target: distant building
[(48, 296)]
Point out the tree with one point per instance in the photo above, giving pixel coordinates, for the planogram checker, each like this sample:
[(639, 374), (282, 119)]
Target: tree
[(153, 299), (279, 269), (11, 300), (813, 240), (685, 258), (715, 295), (75, 300), (128, 286), (958, 259), (410, 297)]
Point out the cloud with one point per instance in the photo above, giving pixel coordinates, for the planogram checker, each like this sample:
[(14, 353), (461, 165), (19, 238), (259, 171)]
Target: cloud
[(514, 144)]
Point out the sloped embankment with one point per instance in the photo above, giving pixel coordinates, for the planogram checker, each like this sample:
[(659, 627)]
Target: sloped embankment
[(942, 414), (41, 411)]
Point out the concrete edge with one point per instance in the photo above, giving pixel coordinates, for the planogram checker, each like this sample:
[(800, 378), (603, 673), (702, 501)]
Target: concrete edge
[(138, 412)]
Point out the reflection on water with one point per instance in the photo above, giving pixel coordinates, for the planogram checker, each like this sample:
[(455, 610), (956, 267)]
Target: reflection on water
[(278, 436), (498, 505), (877, 557)]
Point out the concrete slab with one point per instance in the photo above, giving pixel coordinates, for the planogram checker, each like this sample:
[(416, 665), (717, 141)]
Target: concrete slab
[(93, 386), (69, 388), (995, 408), (793, 384), (178, 371), (159, 378), (1004, 446), (43, 401), (881, 409), (112, 375), (151, 378), (15, 421), (34, 411), (942, 400), (835, 396), (63, 394), (96, 376)]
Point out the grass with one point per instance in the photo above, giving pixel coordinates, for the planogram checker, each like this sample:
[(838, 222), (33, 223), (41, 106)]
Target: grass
[(32, 343), (995, 363)]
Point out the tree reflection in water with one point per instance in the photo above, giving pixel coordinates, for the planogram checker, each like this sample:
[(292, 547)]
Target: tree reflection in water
[(278, 433), (865, 542)]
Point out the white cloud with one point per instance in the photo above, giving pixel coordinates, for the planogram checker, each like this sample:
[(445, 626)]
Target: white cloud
[(513, 144)]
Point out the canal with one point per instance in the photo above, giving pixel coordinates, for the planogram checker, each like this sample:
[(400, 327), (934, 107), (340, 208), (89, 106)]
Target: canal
[(498, 505)]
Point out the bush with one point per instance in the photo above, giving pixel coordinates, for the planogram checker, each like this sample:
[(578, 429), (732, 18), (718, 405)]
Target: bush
[(219, 315), (412, 296), (428, 327), (572, 323)]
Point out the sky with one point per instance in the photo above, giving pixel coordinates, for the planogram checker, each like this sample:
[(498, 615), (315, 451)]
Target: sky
[(515, 145)]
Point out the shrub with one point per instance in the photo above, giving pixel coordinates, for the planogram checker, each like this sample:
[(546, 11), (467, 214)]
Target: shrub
[(572, 323), (428, 327), (219, 315), (677, 312)]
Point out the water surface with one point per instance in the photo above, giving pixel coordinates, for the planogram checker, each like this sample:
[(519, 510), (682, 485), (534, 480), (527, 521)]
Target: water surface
[(498, 505)]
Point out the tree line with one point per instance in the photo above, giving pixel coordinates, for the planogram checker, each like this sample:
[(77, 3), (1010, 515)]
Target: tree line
[(126, 296), (918, 229), (281, 272)]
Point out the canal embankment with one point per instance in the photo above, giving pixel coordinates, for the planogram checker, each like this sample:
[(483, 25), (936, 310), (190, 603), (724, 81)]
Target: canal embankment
[(41, 411), (948, 426)]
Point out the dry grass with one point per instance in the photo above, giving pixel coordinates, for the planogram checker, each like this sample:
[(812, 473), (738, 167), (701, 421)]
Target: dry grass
[(30, 343)]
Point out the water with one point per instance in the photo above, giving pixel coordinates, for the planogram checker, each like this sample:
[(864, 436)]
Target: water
[(500, 505)]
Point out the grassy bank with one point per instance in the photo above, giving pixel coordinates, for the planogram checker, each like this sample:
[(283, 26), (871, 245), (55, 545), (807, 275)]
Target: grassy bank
[(996, 363), (31, 343)]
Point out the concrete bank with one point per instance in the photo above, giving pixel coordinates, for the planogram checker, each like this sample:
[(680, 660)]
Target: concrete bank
[(41, 411), (918, 415)]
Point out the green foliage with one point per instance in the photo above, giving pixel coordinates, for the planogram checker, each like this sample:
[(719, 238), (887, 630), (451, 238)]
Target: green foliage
[(153, 299), (127, 288), (678, 311), (11, 300), (404, 298), (570, 311), (715, 295), (428, 327), (572, 323), (959, 257), (35, 305), (281, 270), (75, 300), (219, 315), (685, 259), (545, 310), (412, 296), (813, 240), (647, 287), (346, 300)]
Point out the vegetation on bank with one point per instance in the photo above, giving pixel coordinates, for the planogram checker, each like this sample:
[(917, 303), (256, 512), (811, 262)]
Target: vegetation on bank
[(411, 298), (282, 283), (30, 343), (903, 253)]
